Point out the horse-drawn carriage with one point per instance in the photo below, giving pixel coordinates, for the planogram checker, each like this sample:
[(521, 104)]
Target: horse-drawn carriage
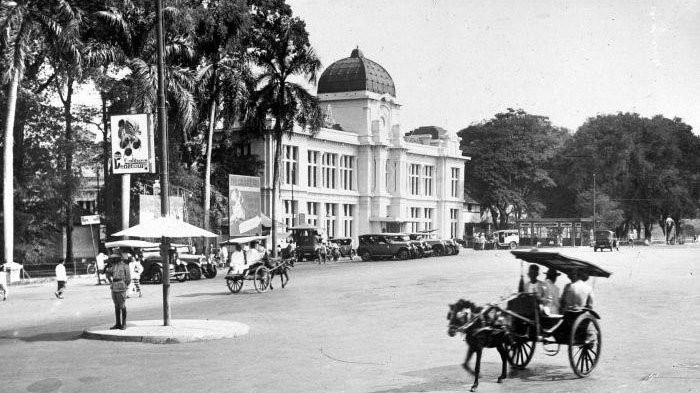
[(515, 325), (253, 265)]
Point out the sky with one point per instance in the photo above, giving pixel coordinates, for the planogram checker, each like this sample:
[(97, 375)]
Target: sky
[(456, 63)]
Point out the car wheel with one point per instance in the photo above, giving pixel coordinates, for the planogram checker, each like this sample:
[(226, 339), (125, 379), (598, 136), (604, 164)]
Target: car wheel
[(513, 246), (156, 275), (194, 272), (438, 251), (366, 256), (403, 255)]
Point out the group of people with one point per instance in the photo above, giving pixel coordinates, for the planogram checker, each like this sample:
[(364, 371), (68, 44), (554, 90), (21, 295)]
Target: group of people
[(578, 293)]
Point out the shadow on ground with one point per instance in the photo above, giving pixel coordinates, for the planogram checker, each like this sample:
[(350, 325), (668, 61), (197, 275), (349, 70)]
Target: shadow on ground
[(198, 294), (449, 378), (49, 336)]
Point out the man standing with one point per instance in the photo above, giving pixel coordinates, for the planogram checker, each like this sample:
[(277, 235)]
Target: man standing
[(61, 278), (121, 278)]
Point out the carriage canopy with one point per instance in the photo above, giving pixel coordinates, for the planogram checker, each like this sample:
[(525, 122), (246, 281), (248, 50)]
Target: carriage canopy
[(562, 263)]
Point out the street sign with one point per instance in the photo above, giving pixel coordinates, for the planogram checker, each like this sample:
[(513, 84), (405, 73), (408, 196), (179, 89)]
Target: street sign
[(90, 220)]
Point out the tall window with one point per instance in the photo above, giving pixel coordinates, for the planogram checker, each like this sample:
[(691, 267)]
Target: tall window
[(428, 215), (347, 164), (454, 221), (291, 162), (313, 169), (312, 213), (455, 183), (414, 179), (290, 209), (331, 216), (348, 211), (415, 214), (328, 163), (428, 171)]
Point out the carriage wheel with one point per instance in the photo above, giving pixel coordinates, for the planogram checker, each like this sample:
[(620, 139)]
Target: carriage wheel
[(234, 284), (520, 353), (262, 279), (585, 343)]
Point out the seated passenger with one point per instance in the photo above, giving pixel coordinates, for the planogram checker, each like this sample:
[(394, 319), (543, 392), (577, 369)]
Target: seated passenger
[(237, 260), (534, 285), (576, 294), (551, 305)]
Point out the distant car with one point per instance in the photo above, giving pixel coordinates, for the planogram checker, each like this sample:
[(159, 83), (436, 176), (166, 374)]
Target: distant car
[(506, 238), (384, 245), (344, 246), (604, 239)]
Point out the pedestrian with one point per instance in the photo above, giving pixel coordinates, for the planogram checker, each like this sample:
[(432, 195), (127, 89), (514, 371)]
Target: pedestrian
[(223, 255), (631, 235), (135, 269), (61, 278), (3, 282), (121, 278)]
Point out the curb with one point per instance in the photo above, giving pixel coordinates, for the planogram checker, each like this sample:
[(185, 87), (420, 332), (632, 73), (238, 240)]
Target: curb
[(179, 331)]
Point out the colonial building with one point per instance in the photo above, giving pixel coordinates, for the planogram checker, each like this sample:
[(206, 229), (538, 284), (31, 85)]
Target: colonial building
[(362, 174)]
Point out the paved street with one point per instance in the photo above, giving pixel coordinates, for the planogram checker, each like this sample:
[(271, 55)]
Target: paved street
[(357, 327)]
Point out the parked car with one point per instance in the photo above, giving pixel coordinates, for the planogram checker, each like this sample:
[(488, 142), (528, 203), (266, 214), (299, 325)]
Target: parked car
[(421, 248), (439, 247), (197, 265), (310, 242), (604, 239), (384, 245), (344, 246), (506, 238)]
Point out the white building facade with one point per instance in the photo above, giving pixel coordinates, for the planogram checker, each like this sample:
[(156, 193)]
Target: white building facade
[(362, 174)]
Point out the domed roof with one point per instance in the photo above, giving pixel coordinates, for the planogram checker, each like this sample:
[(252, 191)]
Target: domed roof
[(356, 73)]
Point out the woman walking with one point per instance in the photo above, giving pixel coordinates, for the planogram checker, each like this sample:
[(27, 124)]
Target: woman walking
[(121, 278)]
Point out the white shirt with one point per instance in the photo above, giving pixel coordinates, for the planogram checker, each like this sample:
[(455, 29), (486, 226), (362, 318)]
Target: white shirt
[(61, 273), (552, 295), (135, 269), (101, 258), (237, 262), (577, 294)]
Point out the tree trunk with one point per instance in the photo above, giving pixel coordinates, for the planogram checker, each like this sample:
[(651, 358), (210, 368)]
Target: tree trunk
[(69, 170), (107, 197), (8, 190), (207, 170), (494, 216), (275, 182)]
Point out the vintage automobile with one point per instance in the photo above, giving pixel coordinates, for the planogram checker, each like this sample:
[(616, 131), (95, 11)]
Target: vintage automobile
[(384, 245), (197, 265), (421, 248), (604, 239), (506, 238), (310, 242), (440, 247), (344, 246)]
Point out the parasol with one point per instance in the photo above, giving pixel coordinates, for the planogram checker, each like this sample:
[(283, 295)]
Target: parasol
[(169, 227)]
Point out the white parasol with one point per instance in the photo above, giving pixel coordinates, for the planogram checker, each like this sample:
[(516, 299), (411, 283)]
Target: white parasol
[(169, 227)]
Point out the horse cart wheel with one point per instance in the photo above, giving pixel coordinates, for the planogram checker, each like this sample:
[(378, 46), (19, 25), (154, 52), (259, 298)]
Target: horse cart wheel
[(262, 279), (585, 343), (520, 353), (234, 284)]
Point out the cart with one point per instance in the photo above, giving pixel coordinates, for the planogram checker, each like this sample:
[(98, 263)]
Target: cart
[(257, 268)]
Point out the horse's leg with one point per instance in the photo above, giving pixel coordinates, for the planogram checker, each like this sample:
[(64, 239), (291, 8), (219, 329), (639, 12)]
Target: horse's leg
[(477, 367), (502, 351), (465, 365)]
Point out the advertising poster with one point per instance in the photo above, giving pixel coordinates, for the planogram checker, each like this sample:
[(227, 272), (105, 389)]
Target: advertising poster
[(244, 205), (132, 144)]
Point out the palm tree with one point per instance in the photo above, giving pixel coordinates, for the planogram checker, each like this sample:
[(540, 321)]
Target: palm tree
[(24, 26), (222, 76), (282, 50)]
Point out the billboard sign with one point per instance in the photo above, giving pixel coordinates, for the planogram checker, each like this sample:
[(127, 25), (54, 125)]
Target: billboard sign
[(244, 205), (132, 144)]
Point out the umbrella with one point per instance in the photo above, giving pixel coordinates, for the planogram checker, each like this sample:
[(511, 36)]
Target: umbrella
[(165, 227)]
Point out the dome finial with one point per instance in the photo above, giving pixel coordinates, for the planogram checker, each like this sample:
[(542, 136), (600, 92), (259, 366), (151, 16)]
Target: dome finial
[(357, 52)]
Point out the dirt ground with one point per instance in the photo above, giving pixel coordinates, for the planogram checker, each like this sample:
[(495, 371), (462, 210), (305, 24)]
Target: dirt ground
[(359, 327)]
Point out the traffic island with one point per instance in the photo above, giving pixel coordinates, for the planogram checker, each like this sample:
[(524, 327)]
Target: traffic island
[(179, 331)]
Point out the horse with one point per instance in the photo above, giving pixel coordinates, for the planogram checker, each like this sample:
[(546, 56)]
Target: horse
[(482, 329)]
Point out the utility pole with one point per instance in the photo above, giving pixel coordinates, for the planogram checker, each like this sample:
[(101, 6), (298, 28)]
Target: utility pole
[(164, 178), (594, 204)]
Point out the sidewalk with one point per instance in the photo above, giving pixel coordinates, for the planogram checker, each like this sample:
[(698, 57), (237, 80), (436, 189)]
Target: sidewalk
[(179, 331)]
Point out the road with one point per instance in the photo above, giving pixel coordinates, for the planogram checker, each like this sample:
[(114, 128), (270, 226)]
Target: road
[(358, 327)]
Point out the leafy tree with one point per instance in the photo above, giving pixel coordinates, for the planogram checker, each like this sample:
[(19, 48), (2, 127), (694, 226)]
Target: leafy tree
[(26, 24), (222, 72), (509, 156), (280, 47)]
